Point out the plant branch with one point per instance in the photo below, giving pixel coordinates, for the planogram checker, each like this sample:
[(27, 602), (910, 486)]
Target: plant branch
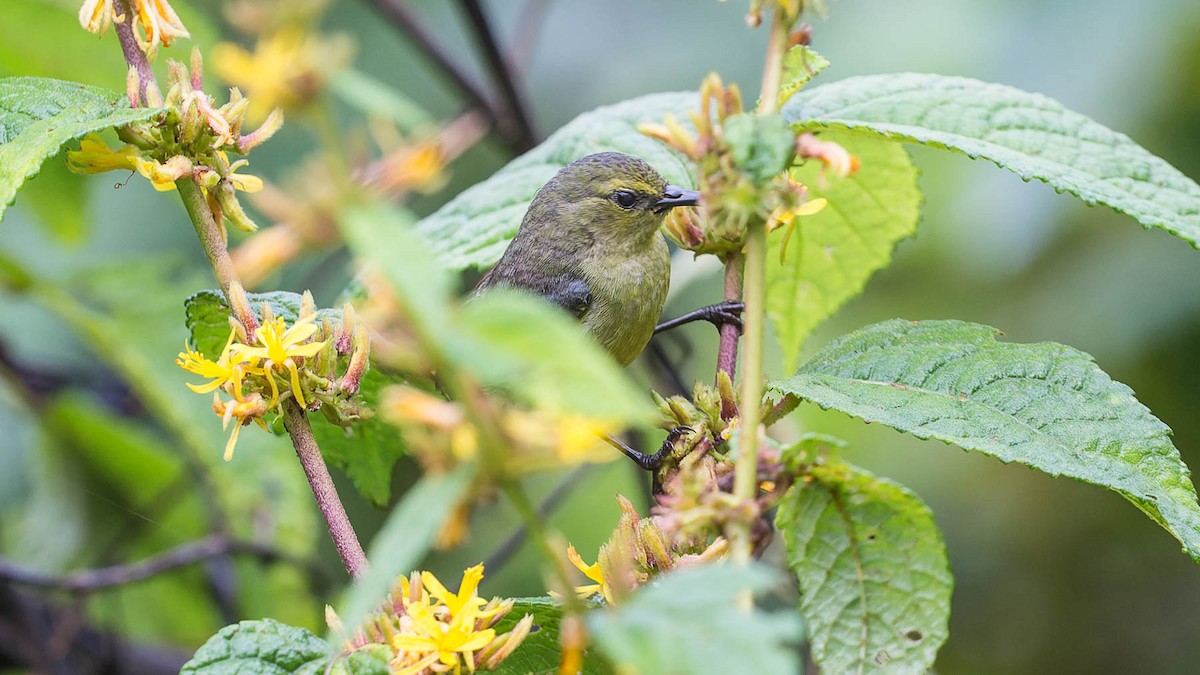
[(86, 581), (502, 73), (403, 17), (134, 56), (345, 539), (209, 232), (728, 351)]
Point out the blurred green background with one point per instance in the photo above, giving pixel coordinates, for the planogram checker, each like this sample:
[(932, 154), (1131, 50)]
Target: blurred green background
[(1052, 575)]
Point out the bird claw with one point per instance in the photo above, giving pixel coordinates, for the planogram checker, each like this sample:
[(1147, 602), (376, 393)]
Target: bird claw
[(654, 462)]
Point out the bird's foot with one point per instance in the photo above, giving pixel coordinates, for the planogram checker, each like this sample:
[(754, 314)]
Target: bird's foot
[(724, 313), (647, 461)]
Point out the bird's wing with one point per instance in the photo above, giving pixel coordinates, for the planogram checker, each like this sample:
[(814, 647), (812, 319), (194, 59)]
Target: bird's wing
[(572, 293)]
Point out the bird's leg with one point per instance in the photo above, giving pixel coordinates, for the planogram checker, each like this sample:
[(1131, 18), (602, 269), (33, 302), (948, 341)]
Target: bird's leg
[(650, 462), (728, 312)]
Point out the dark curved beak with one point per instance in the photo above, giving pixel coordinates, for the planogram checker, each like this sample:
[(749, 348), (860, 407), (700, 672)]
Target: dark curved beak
[(676, 196)]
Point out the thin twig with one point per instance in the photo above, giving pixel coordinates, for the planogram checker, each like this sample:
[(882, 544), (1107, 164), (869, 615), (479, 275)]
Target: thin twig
[(134, 56), (345, 539), (529, 24), (209, 233), (401, 15), (501, 556), (86, 581), (502, 73)]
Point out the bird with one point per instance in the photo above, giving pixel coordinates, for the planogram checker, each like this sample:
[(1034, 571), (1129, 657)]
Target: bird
[(591, 244)]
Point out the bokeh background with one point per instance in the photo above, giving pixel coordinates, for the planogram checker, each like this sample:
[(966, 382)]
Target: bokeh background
[(1051, 575)]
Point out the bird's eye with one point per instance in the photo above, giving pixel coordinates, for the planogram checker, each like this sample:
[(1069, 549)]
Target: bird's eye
[(624, 199)]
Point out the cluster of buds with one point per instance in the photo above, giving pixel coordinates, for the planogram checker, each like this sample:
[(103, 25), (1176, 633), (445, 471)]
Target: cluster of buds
[(318, 362), (441, 434), (639, 550), (190, 140), (423, 628), (741, 161)]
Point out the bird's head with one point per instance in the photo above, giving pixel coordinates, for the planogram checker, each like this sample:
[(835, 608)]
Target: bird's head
[(611, 195)]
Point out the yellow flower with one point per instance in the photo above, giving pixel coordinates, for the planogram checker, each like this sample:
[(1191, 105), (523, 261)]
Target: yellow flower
[(94, 156), (785, 217), (231, 366), (280, 348), (592, 572), (286, 70), (242, 181), (163, 175), (464, 604), (448, 641), (157, 22), (252, 407)]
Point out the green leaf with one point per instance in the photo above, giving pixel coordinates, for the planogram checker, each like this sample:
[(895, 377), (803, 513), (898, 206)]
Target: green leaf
[(690, 622), (874, 579), (379, 100), (261, 647), (832, 254), (407, 534), (1045, 405), (761, 145), (38, 115), (518, 342), (1031, 135), (473, 229), (800, 65), (369, 450), (540, 652)]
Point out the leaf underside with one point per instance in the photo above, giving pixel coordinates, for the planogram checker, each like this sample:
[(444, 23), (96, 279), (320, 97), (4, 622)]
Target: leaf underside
[(38, 115)]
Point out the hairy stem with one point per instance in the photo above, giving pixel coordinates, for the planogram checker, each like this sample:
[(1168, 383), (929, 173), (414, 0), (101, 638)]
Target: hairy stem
[(745, 484), (134, 56), (208, 231), (295, 421), (728, 351)]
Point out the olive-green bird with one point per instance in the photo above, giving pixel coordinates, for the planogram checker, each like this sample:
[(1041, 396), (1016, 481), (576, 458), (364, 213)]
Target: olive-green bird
[(590, 243)]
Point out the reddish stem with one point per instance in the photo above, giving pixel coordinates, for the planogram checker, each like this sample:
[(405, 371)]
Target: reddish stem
[(134, 55), (728, 351), (295, 421)]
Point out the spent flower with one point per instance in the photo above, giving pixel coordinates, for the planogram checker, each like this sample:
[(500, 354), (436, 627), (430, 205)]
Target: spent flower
[(154, 21)]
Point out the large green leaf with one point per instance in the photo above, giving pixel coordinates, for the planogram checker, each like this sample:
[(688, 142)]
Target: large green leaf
[(874, 580), (690, 622), (830, 255), (1028, 134), (473, 229), (405, 537), (371, 447), (540, 652), (261, 647), (38, 115), (1045, 405)]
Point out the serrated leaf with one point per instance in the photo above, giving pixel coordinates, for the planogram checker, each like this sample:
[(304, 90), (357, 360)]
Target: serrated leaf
[(800, 65), (405, 537), (473, 229), (832, 254), (1031, 135), (1045, 405), (261, 647), (518, 342), (370, 449), (540, 652), (689, 622), (874, 579), (38, 115)]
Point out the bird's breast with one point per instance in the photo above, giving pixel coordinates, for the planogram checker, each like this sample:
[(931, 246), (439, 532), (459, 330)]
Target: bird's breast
[(627, 299)]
